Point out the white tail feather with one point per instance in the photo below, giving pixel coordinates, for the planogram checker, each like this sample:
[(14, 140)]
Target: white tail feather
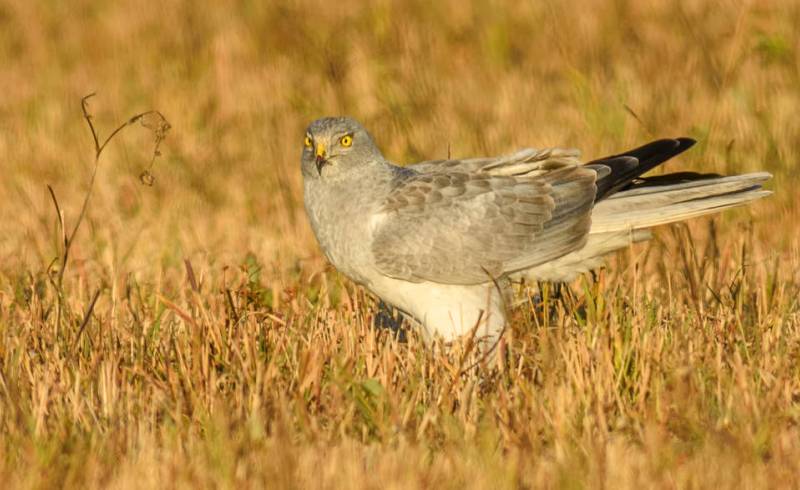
[(649, 206), (625, 217)]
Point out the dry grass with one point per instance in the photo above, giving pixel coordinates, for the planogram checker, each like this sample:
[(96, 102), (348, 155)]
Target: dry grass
[(222, 351)]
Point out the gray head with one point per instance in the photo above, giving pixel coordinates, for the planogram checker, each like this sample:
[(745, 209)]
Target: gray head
[(334, 146)]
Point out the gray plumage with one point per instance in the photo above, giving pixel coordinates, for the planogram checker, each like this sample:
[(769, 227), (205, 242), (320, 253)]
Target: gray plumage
[(441, 239)]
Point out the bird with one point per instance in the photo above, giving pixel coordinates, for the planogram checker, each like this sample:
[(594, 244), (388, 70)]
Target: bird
[(443, 241)]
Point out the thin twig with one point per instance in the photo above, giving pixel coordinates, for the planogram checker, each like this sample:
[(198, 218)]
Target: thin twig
[(231, 306), (59, 214), (190, 275), (160, 129), (86, 319), (85, 109), (638, 119)]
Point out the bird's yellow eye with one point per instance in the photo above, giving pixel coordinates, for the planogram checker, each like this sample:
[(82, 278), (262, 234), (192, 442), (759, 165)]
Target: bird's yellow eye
[(346, 140), (307, 141)]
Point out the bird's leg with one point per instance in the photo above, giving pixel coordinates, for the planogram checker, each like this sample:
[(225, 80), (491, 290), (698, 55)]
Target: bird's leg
[(389, 317), (557, 292)]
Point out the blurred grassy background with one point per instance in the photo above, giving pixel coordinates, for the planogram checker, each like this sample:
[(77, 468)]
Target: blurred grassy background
[(211, 390)]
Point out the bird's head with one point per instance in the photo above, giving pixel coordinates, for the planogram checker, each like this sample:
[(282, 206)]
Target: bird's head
[(334, 146)]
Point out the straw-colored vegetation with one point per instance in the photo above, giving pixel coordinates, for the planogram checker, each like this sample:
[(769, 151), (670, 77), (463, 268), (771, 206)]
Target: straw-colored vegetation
[(223, 351)]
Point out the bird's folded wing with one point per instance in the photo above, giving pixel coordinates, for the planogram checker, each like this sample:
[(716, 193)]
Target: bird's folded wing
[(467, 223)]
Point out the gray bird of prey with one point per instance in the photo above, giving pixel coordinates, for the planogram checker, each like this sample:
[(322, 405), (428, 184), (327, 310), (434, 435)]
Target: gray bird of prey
[(443, 240)]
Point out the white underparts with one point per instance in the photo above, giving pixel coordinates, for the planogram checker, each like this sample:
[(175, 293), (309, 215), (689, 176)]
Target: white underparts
[(448, 310)]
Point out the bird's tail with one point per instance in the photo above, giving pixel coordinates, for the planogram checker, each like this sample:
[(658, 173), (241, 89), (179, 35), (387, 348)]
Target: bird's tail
[(662, 202), (625, 217)]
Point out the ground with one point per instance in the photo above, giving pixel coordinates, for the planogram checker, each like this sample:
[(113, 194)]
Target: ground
[(196, 336)]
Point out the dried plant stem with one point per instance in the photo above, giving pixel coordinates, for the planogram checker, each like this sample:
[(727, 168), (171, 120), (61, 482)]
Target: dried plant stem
[(160, 132), (159, 126)]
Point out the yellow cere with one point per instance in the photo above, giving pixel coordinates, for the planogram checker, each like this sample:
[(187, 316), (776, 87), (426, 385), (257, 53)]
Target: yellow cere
[(346, 140)]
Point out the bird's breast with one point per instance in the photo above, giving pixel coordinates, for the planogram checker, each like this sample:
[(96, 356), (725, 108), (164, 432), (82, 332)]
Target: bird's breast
[(343, 222)]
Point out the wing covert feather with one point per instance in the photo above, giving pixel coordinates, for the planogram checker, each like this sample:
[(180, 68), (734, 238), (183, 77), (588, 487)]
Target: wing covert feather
[(462, 227)]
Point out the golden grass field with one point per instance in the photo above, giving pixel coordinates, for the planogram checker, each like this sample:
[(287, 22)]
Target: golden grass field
[(256, 366)]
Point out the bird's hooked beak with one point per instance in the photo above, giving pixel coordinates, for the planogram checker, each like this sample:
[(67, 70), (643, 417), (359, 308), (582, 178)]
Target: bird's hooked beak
[(320, 160)]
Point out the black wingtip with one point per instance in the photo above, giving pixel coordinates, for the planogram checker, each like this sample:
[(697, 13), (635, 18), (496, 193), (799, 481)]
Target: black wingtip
[(686, 143), (648, 156)]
